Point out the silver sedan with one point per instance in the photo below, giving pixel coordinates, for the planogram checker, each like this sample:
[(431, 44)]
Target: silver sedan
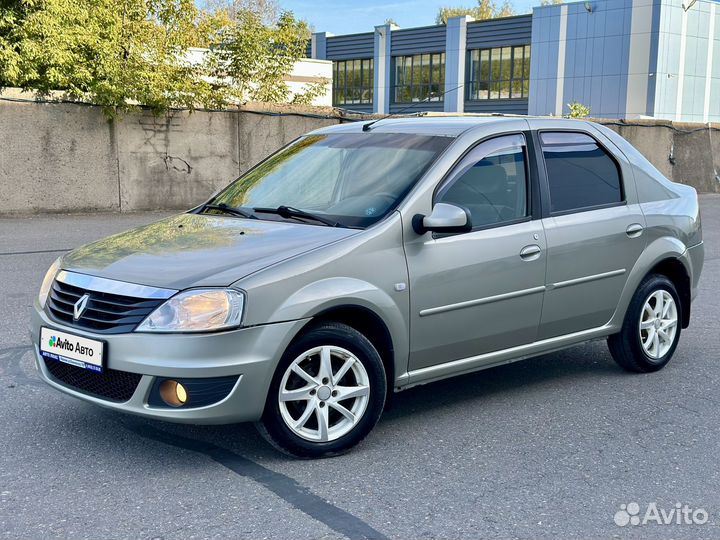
[(364, 259)]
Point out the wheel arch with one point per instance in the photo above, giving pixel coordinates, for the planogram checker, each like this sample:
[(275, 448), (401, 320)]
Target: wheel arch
[(369, 324), (370, 310), (666, 256), (673, 269)]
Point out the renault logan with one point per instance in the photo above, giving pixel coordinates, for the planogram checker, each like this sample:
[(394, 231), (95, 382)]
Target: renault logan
[(364, 259)]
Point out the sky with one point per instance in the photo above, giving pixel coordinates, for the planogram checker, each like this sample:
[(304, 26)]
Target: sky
[(352, 16)]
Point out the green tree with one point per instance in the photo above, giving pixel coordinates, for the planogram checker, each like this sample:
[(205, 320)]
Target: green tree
[(578, 110), (251, 59), (124, 53), (485, 9), (268, 10), (114, 53), (550, 2)]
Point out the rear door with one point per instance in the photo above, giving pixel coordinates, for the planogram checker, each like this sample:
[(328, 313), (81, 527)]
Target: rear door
[(593, 227)]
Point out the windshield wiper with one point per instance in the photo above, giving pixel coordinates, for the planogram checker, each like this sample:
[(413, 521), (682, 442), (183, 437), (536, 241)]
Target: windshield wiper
[(290, 212), (222, 207)]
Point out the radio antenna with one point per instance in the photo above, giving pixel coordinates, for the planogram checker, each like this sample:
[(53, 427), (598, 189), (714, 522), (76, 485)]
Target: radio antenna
[(366, 127)]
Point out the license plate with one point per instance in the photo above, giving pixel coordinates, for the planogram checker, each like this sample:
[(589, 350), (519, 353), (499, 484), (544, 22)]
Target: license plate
[(74, 350)]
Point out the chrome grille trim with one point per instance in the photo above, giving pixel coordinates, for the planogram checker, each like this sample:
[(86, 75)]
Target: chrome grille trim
[(112, 307), (111, 286)]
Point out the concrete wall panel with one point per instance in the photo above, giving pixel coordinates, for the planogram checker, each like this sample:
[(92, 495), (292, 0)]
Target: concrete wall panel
[(260, 135), (56, 157), (70, 158), (694, 161), (175, 161)]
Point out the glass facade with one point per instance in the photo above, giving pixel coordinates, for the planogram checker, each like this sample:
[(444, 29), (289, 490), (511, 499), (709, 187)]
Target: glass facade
[(353, 82), (499, 73), (420, 77)]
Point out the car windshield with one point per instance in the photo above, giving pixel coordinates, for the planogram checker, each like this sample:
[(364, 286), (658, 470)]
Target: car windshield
[(354, 179)]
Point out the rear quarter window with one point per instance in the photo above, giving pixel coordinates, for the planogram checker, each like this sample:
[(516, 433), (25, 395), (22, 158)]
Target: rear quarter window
[(581, 174)]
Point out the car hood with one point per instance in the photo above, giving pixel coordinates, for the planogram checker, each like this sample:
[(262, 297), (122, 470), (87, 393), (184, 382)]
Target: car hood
[(191, 250)]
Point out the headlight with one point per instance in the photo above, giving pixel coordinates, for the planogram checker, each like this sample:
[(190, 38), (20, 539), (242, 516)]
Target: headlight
[(48, 281), (196, 310)]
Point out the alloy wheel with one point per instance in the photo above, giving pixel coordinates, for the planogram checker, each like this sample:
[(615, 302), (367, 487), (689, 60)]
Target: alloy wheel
[(324, 393), (658, 324)]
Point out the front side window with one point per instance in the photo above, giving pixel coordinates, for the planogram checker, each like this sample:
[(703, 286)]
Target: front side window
[(500, 73), (419, 78), (491, 181), (581, 174), (353, 82), (354, 179)]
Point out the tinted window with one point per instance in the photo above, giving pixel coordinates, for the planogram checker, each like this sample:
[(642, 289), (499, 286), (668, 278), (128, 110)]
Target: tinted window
[(491, 182), (581, 174)]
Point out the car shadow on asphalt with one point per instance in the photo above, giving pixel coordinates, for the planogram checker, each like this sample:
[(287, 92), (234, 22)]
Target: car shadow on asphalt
[(585, 362), (545, 373)]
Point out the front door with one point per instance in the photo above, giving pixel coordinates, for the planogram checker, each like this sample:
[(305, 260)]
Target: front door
[(479, 291)]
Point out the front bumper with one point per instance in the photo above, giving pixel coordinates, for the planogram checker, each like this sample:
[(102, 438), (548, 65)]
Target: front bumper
[(250, 354)]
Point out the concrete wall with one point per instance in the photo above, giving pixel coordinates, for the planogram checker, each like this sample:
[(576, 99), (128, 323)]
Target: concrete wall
[(69, 158), (688, 153)]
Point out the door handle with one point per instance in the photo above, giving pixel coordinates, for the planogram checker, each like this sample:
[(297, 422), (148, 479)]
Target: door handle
[(634, 230), (530, 253)]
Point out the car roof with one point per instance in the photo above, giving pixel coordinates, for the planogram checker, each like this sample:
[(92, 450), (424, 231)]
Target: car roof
[(432, 124)]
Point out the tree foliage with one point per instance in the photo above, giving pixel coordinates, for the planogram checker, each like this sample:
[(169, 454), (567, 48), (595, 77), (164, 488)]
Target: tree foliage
[(268, 10), (485, 9), (578, 110), (251, 59), (125, 53)]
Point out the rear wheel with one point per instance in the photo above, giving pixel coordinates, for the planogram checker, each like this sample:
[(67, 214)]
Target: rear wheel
[(327, 393), (651, 329)]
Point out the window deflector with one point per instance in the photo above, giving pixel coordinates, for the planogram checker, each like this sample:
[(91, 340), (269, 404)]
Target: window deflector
[(482, 150), (488, 149)]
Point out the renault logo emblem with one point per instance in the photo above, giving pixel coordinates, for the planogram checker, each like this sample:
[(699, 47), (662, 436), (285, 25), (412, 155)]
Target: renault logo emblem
[(80, 306)]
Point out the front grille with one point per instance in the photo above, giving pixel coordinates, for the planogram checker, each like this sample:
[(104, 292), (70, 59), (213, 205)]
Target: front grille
[(105, 313), (111, 384)]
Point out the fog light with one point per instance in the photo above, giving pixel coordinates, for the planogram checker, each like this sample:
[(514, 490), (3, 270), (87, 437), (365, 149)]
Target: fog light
[(173, 393)]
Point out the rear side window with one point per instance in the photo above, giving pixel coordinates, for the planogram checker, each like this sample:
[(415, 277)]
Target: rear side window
[(580, 172)]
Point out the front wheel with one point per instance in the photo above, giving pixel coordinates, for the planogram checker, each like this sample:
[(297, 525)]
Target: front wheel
[(327, 393), (651, 329)]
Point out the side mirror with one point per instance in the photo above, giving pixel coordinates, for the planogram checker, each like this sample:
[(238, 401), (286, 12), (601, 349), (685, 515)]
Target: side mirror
[(445, 218)]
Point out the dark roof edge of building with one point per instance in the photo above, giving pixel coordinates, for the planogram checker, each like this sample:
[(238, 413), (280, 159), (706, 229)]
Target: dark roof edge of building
[(520, 16)]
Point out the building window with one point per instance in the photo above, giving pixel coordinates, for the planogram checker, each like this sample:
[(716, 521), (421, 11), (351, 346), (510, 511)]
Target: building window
[(500, 73), (353, 82), (419, 78)]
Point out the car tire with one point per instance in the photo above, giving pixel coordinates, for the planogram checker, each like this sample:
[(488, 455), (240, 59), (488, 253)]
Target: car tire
[(649, 336), (308, 413)]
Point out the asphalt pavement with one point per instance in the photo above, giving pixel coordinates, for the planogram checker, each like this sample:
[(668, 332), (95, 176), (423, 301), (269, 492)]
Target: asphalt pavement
[(550, 447)]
